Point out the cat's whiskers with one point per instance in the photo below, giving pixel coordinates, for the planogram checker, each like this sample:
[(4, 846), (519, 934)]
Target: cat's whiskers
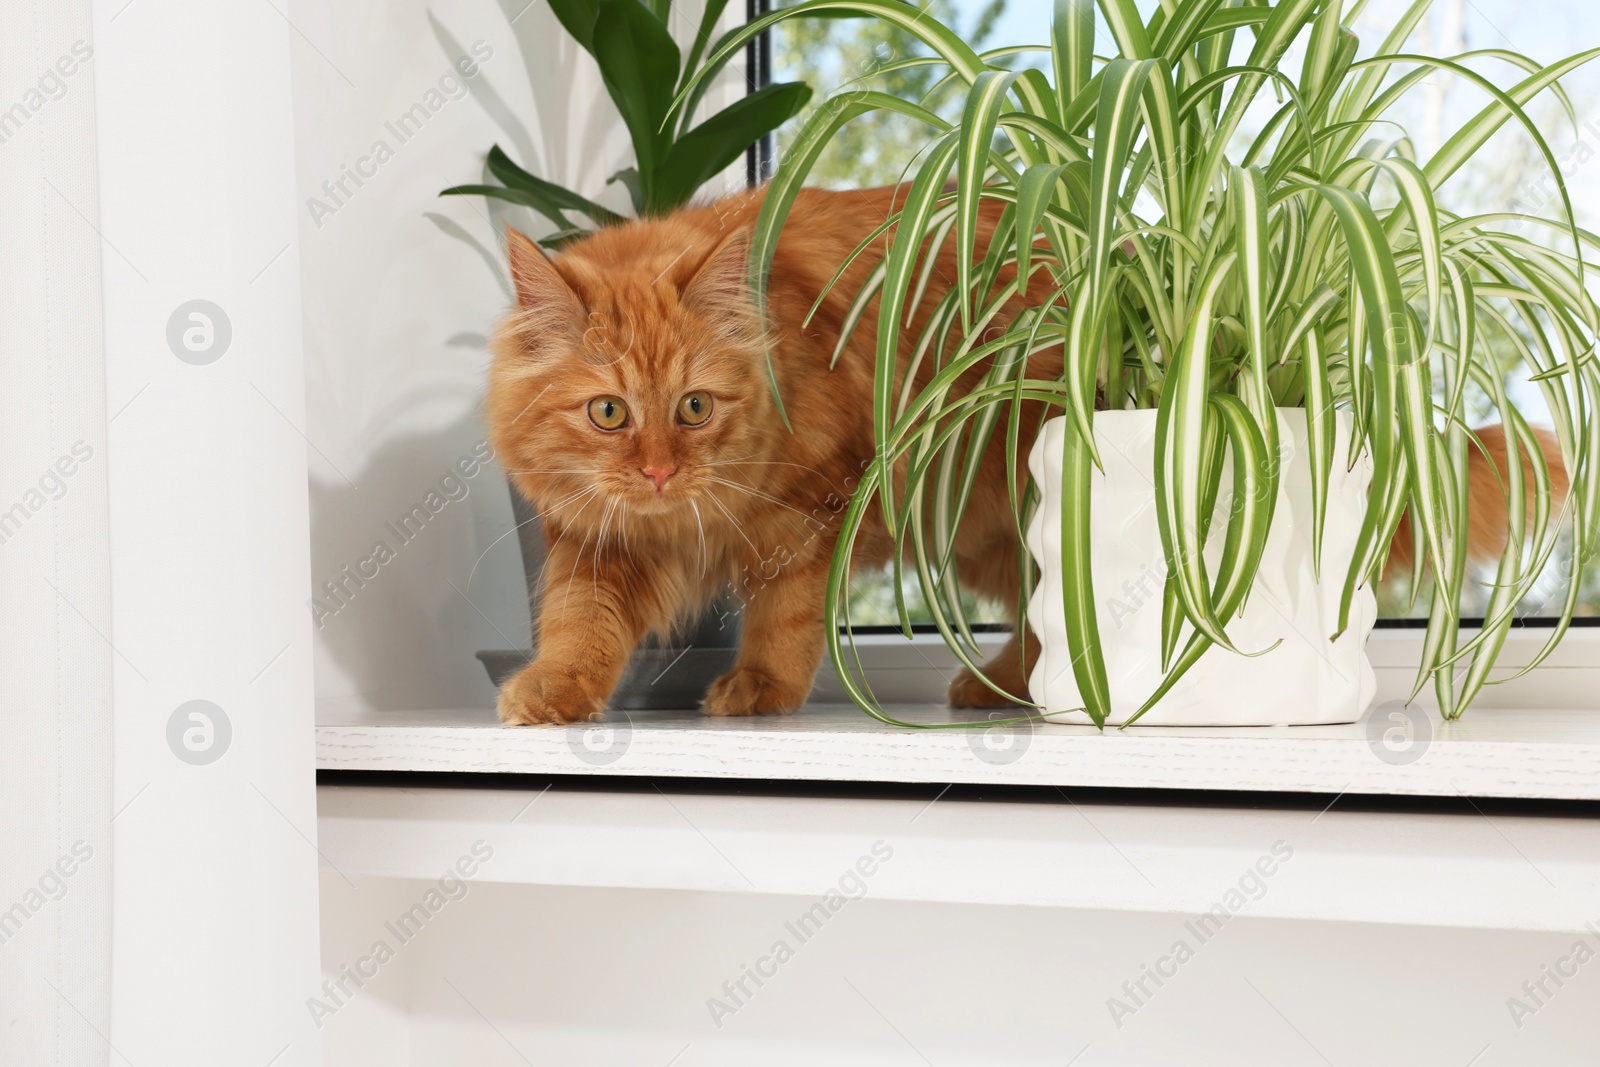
[(496, 541), (613, 535), (733, 522), (600, 546), (566, 501), (619, 529), (750, 461), (588, 495), (734, 459), (757, 493), (577, 559), (777, 463), (609, 533), (568, 526), (700, 527), (622, 527), (571, 498)]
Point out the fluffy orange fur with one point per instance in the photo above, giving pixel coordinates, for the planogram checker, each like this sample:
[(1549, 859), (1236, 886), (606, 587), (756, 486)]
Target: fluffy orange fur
[(648, 520)]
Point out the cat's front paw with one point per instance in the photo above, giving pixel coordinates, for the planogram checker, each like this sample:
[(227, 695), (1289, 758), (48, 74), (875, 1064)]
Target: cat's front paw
[(540, 693), (745, 691), (968, 691), (1008, 669)]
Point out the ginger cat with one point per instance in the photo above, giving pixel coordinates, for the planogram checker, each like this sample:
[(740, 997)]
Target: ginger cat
[(629, 402)]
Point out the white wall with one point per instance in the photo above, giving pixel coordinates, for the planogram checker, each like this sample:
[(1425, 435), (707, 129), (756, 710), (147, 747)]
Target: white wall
[(400, 288)]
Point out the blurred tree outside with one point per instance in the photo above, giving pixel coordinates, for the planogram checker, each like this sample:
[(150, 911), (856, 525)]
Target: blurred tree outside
[(827, 53)]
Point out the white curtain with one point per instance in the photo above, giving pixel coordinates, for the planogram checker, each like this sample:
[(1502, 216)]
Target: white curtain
[(55, 605)]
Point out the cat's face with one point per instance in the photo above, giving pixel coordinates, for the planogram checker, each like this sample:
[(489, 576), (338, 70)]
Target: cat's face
[(629, 389)]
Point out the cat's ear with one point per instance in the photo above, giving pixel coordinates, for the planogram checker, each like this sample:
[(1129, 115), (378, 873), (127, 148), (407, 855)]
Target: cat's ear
[(540, 289), (720, 288), (722, 281)]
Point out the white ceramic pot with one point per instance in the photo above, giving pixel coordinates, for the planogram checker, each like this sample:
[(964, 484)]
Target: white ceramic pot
[(1306, 679)]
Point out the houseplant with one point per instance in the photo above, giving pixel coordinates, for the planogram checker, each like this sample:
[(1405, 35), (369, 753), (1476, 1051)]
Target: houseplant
[(1212, 277), (643, 69), (657, 90)]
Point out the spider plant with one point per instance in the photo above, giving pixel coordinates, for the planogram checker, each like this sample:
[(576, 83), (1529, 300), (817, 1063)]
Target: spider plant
[(643, 70), (1214, 270)]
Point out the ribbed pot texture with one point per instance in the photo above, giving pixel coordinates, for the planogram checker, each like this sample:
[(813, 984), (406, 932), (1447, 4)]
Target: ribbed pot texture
[(1306, 679)]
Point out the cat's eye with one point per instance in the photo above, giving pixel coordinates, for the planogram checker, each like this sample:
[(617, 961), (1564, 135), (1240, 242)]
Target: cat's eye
[(608, 412), (695, 408)]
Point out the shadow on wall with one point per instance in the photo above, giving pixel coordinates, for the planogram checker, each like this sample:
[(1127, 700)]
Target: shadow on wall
[(415, 563), (574, 140), (415, 566)]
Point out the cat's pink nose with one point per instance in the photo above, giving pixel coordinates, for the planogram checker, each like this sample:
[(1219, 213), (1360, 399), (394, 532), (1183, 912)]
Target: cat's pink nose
[(659, 475)]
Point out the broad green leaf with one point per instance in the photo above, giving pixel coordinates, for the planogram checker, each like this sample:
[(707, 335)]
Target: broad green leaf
[(711, 147), (527, 197), (577, 17), (502, 167), (639, 65)]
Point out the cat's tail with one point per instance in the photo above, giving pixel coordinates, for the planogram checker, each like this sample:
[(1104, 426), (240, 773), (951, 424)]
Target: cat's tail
[(1486, 502)]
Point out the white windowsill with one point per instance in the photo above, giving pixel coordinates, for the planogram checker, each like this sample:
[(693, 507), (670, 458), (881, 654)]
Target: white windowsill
[(1551, 754), (1536, 738)]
